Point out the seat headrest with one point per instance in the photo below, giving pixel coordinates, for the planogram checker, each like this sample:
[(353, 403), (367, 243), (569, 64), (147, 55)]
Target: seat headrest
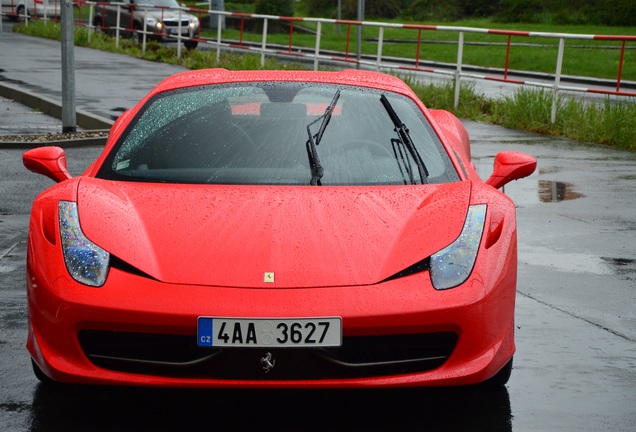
[(283, 110)]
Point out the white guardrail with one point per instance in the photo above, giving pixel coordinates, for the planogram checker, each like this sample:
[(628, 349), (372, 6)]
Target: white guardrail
[(375, 62)]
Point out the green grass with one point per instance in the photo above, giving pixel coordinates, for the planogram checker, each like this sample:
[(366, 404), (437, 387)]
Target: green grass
[(192, 59), (608, 123), (612, 124), (472, 105), (591, 58)]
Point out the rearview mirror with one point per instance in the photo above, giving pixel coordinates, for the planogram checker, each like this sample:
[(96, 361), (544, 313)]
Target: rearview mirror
[(49, 161), (509, 166)]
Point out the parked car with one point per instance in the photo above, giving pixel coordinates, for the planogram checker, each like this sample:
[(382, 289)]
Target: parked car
[(275, 229), (16, 9), (162, 20)]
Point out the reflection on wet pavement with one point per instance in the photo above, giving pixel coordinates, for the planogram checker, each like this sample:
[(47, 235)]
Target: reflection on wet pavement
[(555, 191), (563, 261), (575, 262), (621, 266), (534, 191), (106, 408)]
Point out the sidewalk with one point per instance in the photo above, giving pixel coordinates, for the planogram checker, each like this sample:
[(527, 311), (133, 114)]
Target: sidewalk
[(18, 119), (106, 84)]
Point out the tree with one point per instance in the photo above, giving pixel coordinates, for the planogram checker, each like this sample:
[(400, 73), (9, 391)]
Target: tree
[(274, 7)]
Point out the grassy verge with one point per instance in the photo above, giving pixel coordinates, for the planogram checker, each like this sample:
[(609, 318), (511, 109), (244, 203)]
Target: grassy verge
[(611, 124), (191, 59), (593, 58), (608, 123)]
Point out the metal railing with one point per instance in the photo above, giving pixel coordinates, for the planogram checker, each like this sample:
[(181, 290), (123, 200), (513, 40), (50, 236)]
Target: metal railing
[(457, 71), (380, 63)]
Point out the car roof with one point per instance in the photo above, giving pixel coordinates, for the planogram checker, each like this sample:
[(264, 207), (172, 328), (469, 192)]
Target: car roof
[(222, 76)]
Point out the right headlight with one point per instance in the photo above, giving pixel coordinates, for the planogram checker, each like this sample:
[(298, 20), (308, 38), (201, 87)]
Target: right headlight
[(452, 265), (86, 262)]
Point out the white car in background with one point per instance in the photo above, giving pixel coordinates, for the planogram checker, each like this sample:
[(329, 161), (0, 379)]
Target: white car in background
[(161, 18), (16, 9)]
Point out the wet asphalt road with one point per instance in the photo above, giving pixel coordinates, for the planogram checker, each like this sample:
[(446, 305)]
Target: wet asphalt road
[(575, 366)]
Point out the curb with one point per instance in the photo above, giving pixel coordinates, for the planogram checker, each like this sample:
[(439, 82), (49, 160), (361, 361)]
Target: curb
[(68, 143), (85, 120)]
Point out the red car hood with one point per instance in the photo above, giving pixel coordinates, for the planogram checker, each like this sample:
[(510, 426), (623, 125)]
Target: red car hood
[(306, 236)]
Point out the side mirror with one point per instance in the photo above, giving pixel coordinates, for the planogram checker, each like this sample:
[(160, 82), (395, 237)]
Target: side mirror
[(511, 166), (49, 161)]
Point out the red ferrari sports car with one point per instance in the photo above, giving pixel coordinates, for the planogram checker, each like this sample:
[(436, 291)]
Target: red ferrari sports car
[(275, 229)]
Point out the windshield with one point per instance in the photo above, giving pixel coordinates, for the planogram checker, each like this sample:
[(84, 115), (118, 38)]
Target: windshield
[(265, 133)]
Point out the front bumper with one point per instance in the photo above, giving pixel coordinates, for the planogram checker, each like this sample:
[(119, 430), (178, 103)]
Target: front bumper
[(76, 333), (170, 31)]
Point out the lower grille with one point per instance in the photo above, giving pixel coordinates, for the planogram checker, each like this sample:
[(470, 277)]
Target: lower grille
[(179, 356), (175, 23)]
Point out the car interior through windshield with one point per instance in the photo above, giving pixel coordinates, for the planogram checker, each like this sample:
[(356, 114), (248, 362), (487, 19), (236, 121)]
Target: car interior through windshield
[(280, 133)]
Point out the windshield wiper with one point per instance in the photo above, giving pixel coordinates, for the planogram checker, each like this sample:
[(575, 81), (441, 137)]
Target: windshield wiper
[(312, 153), (404, 141)]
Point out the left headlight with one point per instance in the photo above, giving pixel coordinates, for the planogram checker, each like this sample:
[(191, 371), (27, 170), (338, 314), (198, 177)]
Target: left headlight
[(194, 22), (153, 23), (86, 262), (452, 265)]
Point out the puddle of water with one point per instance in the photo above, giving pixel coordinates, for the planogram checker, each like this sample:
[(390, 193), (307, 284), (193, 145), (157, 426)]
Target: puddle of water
[(567, 262), (556, 191), (532, 190), (575, 262), (621, 266)]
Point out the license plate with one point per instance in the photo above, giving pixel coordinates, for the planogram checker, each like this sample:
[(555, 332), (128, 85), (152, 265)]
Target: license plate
[(269, 332)]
